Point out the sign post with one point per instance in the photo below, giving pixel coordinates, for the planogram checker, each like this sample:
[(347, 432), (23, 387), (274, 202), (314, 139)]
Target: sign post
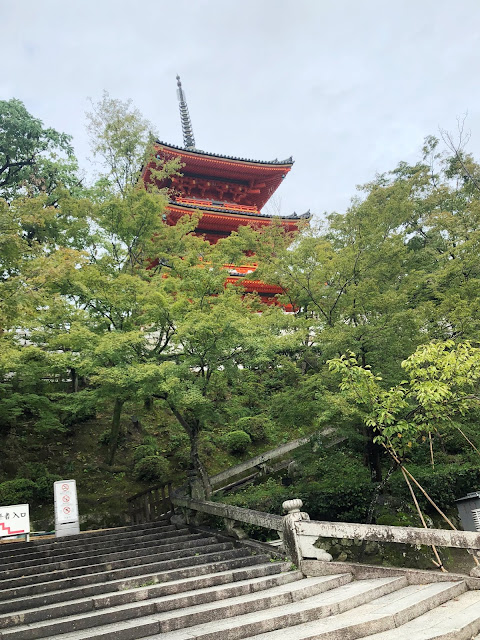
[(15, 521), (66, 508)]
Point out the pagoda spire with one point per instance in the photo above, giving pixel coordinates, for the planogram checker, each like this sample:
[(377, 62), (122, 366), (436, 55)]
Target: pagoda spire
[(187, 129)]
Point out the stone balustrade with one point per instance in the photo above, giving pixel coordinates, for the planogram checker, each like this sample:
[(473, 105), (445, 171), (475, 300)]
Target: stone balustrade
[(299, 534)]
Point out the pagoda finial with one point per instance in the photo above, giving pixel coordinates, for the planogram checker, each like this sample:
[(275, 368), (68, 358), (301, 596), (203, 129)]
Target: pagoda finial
[(188, 138)]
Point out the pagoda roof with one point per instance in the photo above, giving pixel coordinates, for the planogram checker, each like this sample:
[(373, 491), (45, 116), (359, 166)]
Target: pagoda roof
[(251, 182), (236, 212), (287, 162)]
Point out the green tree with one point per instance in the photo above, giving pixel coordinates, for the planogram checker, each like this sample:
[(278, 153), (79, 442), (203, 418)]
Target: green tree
[(37, 242), (106, 299), (443, 383), (33, 159), (120, 137)]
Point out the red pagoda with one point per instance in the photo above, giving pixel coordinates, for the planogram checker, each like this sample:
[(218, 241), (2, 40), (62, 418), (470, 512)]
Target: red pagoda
[(228, 192)]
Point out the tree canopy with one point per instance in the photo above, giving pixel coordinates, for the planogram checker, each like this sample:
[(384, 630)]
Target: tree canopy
[(120, 137), (106, 308), (33, 159)]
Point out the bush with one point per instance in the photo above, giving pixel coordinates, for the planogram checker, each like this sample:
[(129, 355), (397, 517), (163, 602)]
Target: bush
[(257, 427), (144, 451), (237, 441), (267, 497), (152, 469), (77, 408), (18, 491), (348, 502), (181, 460), (104, 438), (44, 487), (177, 439)]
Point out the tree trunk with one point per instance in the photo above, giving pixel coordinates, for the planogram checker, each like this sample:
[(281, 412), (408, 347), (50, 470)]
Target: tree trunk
[(74, 377), (197, 464), (374, 457), (192, 428), (372, 450), (115, 430)]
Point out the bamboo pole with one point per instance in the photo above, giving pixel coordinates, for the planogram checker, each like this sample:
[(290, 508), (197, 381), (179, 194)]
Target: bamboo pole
[(439, 562)]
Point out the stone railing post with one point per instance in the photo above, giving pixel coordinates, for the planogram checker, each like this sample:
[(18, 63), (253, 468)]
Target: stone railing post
[(298, 546), (233, 528), (197, 492)]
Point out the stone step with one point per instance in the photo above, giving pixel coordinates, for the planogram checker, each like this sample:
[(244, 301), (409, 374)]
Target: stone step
[(164, 583), (458, 619), (113, 558), (16, 578), (59, 555), (136, 576), (124, 591), (48, 621), (244, 616), (103, 536), (379, 615)]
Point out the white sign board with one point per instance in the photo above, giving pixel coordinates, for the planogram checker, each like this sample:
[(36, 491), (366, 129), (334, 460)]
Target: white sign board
[(14, 520), (66, 505)]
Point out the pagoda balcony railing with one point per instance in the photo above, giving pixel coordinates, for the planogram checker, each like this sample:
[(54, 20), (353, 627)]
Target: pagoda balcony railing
[(230, 206)]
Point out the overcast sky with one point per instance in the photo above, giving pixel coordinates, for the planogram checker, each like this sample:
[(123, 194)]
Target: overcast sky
[(347, 87)]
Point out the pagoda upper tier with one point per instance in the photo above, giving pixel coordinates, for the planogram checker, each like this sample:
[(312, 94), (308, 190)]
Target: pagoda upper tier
[(229, 192)]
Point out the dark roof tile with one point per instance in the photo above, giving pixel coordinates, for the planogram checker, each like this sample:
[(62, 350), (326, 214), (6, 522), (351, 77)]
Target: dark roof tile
[(288, 161), (294, 216)]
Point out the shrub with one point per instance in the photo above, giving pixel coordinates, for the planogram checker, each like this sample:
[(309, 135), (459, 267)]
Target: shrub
[(177, 439), (181, 459), (18, 491), (268, 497), (150, 441), (348, 502), (152, 469), (144, 451), (105, 438), (257, 427), (44, 487), (237, 441)]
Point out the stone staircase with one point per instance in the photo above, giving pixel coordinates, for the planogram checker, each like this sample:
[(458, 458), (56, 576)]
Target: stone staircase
[(164, 582)]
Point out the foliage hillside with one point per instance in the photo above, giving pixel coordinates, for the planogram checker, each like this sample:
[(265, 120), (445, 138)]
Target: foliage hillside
[(125, 360)]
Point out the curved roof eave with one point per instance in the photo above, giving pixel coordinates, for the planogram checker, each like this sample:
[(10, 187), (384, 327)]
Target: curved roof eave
[(293, 217), (287, 162)]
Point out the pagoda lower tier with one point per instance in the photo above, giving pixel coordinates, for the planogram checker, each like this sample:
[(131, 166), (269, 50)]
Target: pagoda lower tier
[(267, 292), (219, 220), (229, 193), (239, 277)]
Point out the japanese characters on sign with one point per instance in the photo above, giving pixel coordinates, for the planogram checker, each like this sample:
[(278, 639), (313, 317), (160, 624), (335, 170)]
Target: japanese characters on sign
[(14, 520), (66, 506)]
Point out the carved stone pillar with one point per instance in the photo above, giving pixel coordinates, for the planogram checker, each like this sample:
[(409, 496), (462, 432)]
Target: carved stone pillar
[(197, 492), (233, 528), (299, 547), (475, 572)]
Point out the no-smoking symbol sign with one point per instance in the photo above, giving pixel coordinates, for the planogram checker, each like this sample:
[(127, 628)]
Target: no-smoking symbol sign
[(66, 505)]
